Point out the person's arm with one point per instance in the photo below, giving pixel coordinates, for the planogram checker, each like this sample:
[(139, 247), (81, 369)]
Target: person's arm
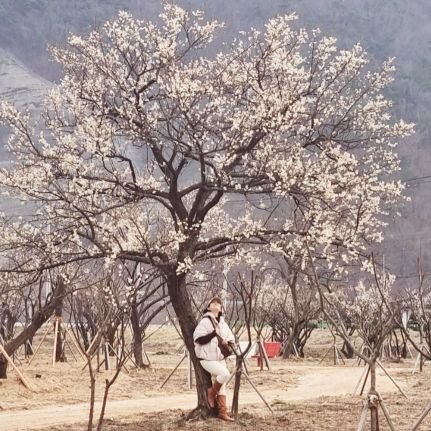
[(204, 332), (204, 339)]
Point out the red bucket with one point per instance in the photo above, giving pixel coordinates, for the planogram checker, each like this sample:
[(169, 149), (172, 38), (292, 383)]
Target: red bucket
[(272, 348)]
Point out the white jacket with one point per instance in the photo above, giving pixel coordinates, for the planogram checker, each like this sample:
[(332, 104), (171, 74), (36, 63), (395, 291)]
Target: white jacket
[(211, 351)]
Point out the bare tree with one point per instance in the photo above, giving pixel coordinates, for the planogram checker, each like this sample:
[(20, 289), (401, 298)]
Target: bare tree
[(40, 316), (417, 301), (148, 297), (293, 315), (246, 290), (370, 305)]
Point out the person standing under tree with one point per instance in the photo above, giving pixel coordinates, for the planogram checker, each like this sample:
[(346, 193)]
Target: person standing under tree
[(210, 355)]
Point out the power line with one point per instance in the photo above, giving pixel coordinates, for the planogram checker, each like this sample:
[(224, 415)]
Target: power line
[(417, 178)]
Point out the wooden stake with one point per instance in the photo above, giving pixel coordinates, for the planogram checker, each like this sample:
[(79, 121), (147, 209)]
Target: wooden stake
[(409, 351), (40, 344), (386, 413), (373, 406), (129, 354), (148, 359), (263, 356), (365, 381), (27, 343), (360, 379), (118, 358), (92, 342), (260, 348), (55, 341), (295, 350), (173, 371), (362, 418), (75, 343), (258, 393), (421, 418), (392, 380), (339, 355), (21, 377), (189, 371), (325, 355), (107, 364), (240, 370)]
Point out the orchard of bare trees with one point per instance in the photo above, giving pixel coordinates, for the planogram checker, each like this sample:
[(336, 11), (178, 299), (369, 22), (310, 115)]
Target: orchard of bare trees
[(158, 175)]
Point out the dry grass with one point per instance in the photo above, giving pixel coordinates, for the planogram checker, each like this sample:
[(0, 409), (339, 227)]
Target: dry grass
[(67, 383)]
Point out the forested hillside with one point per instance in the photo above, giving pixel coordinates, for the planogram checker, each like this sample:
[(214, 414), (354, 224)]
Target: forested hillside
[(386, 28)]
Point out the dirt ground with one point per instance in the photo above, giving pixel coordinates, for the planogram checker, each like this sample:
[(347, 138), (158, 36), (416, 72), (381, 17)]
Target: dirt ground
[(304, 394)]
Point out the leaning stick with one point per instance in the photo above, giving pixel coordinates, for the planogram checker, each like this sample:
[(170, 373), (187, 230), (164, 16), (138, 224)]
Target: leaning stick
[(392, 380), (54, 350), (366, 368), (421, 418), (8, 358), (362, 418), (118, 357), (72, 338), (365, 380), (93, 341), (39, 345), (66, 343), (386, 413), (258, 393), (173, 371)]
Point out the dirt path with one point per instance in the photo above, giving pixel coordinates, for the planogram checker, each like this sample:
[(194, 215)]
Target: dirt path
[(313, 382)]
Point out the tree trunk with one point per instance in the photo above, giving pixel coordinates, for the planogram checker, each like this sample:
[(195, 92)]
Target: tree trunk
[(235, 399), (347, 348), (82, 330), (303, 338), (288, 350), (295, 331), (60, 353), (347, 351), (298, 337), (110, 337), (373, 407), (182, 306), (137, 337), (421, 358), (3, 368), (28, 347)]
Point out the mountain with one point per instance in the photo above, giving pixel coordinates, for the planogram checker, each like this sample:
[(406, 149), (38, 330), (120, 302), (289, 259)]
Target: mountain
[(386, 28), (26, 90), (19, 85)]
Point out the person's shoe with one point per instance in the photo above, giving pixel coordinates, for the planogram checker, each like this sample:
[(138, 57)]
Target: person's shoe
[(212, 393), (222, 409)]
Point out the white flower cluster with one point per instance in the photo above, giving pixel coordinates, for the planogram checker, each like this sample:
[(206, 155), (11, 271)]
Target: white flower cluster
[(150, 150)]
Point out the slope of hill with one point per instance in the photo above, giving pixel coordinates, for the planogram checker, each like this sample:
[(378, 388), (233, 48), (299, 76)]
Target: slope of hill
[(386, 28), (25, 90), (19, 85)]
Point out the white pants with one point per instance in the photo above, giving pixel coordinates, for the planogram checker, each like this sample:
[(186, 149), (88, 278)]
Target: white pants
[(219, 370)]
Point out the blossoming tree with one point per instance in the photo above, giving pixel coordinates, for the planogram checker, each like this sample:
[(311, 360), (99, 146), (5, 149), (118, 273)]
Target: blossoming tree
[(150, 151)]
